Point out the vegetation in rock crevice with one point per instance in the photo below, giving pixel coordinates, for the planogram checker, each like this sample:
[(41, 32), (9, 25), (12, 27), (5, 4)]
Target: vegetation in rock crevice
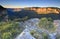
[(9, 30)]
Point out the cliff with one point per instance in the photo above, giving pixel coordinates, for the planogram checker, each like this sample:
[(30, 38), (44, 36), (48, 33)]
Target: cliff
[(44, 10)]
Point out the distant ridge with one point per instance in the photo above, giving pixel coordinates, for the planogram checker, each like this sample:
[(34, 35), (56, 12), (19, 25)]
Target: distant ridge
[(30, 12), (44, 10), (40, 10)]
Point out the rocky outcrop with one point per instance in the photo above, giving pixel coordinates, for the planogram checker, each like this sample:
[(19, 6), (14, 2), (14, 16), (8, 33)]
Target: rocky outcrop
[(29, 25), (25, 35), (3, 14)]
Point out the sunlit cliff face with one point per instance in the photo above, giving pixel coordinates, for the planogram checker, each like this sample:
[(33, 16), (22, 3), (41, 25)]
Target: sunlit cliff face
[(16, 9), (45, 10)]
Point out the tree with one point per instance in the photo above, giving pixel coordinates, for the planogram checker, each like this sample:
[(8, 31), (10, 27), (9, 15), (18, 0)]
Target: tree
[(50, 19), (38, 35), (9, 30), (46, 24), (6, 35)]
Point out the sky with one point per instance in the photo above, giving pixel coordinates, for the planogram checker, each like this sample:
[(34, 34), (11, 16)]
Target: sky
[(29, 3)]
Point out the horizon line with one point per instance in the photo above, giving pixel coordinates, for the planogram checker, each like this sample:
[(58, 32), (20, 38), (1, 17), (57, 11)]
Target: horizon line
[(30, 6)]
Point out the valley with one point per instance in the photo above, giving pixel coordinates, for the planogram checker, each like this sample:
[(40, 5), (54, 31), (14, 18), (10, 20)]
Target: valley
[(30, 23)]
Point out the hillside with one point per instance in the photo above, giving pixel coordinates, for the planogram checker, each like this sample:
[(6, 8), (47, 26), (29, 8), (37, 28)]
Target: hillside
[(32, 14)]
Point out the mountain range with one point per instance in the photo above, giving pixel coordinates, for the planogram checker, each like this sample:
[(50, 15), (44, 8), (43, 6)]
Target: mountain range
[(30, 12)]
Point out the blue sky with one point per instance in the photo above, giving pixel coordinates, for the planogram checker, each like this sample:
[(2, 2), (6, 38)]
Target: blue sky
[(29, 3)]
